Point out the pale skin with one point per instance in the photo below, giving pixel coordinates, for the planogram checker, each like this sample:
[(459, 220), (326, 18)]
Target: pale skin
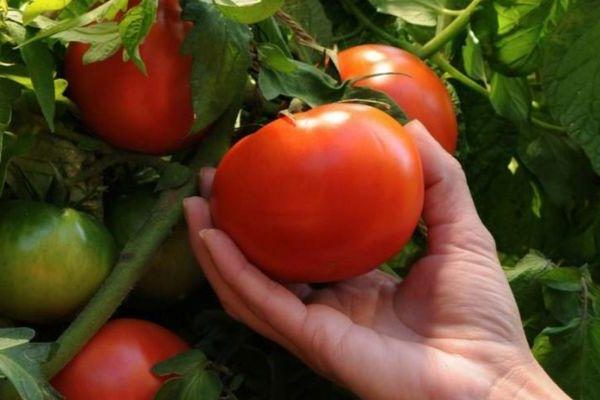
[(450, 330)]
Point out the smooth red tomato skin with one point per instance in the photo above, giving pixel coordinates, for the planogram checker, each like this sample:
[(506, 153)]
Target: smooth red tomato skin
[(420, 92), (326, 196), (117, 362), (150, 114)]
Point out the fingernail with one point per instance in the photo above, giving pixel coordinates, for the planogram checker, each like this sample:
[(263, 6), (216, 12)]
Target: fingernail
[(416, 124), (203, 172), (186, 202), (204, 234)]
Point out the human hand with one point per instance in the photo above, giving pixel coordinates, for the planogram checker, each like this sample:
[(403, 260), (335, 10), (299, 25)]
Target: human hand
[(450, 330)]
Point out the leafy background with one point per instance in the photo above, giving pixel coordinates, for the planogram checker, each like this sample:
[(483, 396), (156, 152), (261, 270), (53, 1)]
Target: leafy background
[(525, 76)]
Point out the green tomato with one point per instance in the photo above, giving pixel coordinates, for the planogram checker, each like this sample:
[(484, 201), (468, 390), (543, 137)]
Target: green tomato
[(173, 272), (52, 260)]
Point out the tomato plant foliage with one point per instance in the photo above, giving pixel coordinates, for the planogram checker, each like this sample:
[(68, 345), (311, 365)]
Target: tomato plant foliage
[(524, 78)]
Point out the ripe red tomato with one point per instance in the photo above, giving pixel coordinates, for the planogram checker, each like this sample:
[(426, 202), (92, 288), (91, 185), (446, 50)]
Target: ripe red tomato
[(326, 195), (150, 114), (117, 362), (419, 92)]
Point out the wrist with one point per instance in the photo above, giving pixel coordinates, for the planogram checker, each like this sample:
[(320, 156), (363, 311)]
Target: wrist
[(526, 382)]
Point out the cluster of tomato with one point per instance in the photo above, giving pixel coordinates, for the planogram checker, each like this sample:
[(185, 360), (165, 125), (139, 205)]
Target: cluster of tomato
[(313, 197)]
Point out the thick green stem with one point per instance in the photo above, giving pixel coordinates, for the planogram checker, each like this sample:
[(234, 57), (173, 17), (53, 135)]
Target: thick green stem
[(449, 32), (438, 58), (129, 269), (132, 262)]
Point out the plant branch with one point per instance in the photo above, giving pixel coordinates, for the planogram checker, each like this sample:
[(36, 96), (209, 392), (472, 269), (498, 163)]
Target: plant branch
[(366, 21), (453, 13), (119, 158), (132, 263), (449, 32)]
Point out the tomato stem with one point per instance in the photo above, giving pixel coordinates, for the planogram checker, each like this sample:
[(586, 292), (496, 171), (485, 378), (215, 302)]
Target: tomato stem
[(546, 125), (448, 33), (132, 263), (437, 58), (445, 65)]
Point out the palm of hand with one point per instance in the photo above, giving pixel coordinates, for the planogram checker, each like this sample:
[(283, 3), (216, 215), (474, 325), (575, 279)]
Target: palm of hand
[(406, 327), (435, 335)]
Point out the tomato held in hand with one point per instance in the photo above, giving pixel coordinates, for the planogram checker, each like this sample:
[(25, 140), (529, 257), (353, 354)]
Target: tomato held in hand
[(322, 196), (117, 362), (173, 272), (150, 114), (418, 90), (51, 260)]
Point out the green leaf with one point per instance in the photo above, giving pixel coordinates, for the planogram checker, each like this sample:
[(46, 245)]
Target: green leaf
[(134, 27), (169, 390), (12, 146), (11, 337), (205, 385), (510, 97), (192, 381), (571, 180), (20, 363), (104, 38), (96, 33), (3, 7), (40, 66), (507, 196), (274, 58), (570, 77), (416, 12), (571, 356), (525, 282), (101, 51), (220, 48), (174, 176), (107, 10), (181, 364), (513, 32), (306, 82), (9, 92), (473, 57), (311, 15), (248, 11), (37, 7), (76, 8)]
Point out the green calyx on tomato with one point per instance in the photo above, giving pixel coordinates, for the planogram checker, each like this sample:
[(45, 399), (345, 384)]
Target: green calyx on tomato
[(117, 362), (325, 195), (173, 272), (52, 260), (146, 113), (419, 92)]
